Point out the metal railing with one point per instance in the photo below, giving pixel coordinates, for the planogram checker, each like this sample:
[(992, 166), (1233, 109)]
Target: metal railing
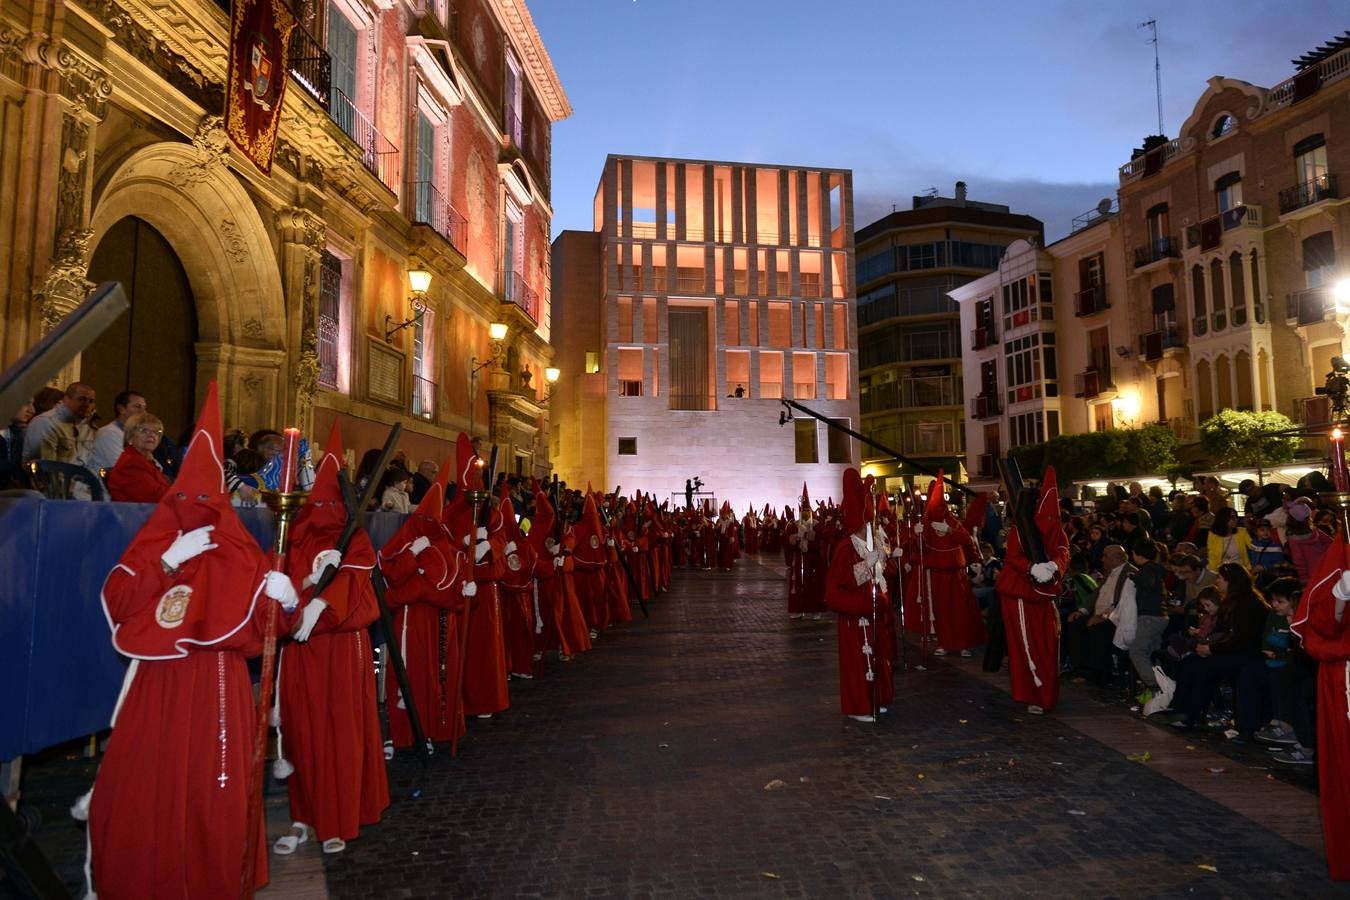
[(1153, 251), (984, 336), (423, 397), (1095, 215), (1218, 320), (426, 206), (932, 390), (1136, 166), (311, 65), (985, 406), (1153, 343), (522, 295), (1333, 68), (377, 154), (1091, 383), (931, 438), (1323, 187), (1090, 300), (1309, 307), (1239, 315)]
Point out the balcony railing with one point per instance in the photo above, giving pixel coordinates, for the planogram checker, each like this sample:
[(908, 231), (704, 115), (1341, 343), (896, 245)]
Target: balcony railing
[(1333, 68), (1200, 325), (423, 397), (522, 295), (1218, 320), (986, 465), (1309, 307), (428, 207), (931, 438), (1091, 383), (985, 406), (982, 337), (1090, 301), (1154, 343), (311, 65), (1209, 233), (933, 390), (377, 154), (1153, 251), (1323, 187), (1152, 161)]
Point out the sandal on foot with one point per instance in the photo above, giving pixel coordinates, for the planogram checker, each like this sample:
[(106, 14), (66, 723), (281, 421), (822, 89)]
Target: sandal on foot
[(334, 845), (286, 844)]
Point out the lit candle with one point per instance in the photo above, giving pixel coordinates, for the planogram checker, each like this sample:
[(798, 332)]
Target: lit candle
[(1338, 473), (289, 460)]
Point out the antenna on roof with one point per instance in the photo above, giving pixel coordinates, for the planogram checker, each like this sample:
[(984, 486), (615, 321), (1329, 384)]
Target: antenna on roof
[(1152, 26), (931, 192)]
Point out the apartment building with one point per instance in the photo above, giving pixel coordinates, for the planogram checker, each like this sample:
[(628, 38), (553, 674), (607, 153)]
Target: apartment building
[(1211, 284), (402, 231), (909, 339), (706, 292)]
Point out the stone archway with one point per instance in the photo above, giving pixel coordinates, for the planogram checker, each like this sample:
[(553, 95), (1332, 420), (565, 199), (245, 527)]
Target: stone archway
[(192, 199)]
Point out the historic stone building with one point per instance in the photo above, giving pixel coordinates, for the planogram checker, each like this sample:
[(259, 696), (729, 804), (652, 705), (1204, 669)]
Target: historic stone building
[(414, 137)]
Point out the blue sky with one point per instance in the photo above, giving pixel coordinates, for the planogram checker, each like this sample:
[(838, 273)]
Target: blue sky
[(1034, 104)]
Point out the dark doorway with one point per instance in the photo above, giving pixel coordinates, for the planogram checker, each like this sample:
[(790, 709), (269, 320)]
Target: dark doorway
[(150, 346)]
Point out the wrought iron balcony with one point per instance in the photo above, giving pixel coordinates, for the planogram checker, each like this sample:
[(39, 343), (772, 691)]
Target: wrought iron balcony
[(1309, 307), (1323, 187), (423, 397), (982, 337), (311, 66), (377, 154), (1091, 383), (1209, 234), (1090, 301), (427, 207), (522, 295), (1153, 251), (1153, 344)]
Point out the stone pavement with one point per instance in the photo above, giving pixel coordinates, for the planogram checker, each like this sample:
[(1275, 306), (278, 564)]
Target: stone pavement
[(640, 770)]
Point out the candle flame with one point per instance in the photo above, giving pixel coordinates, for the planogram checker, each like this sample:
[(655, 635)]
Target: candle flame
[(1336, 434)]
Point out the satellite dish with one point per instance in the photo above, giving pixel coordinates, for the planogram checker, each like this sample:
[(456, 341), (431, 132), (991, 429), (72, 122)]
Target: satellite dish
[(1104, 206)]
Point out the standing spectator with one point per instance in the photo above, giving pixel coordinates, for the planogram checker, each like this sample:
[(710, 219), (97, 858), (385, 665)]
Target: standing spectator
[(1227, 542), (393, 489), (109, 440), (1151, 621), (12, 472), (136, 477), (62, 433), (1159, 510), (365, 470), (422, 479), (1179, 521), (1306, 544), (1261, 499)]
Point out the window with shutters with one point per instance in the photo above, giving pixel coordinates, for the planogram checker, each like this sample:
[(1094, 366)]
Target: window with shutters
[(331, 363)]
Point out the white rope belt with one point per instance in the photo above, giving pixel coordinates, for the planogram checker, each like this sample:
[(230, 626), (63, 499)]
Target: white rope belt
[(1026, 641)]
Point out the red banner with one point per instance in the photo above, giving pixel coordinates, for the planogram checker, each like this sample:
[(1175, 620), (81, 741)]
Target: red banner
[(260, 33)]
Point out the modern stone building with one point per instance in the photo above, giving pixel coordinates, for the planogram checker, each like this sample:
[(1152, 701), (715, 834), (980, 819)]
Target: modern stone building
[(1211, 287), (706, 292), (415, 136), (909, 339)]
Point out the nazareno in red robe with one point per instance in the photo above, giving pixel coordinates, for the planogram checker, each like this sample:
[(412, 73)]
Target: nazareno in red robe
[(564, 623), (1030, 617), (329, 715), (943, 581), (516, 589), (426, 594), (168, 815), (1328, 641), (485, 685)]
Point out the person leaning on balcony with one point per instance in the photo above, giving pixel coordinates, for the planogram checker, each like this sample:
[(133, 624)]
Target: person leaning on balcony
[(1227, 542)]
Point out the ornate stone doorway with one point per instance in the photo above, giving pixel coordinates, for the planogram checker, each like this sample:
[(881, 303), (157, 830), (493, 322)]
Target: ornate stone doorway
[(150, 348)]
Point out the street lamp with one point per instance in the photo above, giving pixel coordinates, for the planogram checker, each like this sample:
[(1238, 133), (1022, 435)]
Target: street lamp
[(551, 376), (1340, 295), (496, 336), (419, 281)]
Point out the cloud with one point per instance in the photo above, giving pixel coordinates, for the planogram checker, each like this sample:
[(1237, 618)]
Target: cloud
[(1054, 204)]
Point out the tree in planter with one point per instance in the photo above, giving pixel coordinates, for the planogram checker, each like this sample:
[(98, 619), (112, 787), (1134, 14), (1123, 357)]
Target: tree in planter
[(1237, 438), (1114, 453)]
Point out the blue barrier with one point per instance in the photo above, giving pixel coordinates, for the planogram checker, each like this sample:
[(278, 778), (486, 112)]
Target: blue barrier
[(59, 675)]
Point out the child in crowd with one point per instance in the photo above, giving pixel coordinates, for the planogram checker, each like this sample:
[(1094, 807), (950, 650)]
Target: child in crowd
[(1290, 679), (1265, 551), (394, 489), (1184, 644)]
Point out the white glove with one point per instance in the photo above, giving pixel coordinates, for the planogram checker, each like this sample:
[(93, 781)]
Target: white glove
[(322, 561), (941, 528), (1341, 589), (470, 588), (976, 571), (897, 553), (277, 585), (419, 545), (482, 533), (908, 568), (480, 550), (510, 547), (558, 562), (309, 618), (918, 528), (609, 543), (552, 546), (186, 546), (1044, 573)]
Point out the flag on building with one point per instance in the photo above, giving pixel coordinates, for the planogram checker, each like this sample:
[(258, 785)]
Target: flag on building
[(260, 33)]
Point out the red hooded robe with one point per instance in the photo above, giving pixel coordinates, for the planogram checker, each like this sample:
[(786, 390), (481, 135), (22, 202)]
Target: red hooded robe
[(857, 594), (945, 585)]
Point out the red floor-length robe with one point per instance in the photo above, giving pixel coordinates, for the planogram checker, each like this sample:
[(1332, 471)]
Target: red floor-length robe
[(330, 719), (168, 815), (1030, 617), (1328, 641), (855, 603), (485, 686), (516, 590), (956, 615), (589, 556), (564, 624)]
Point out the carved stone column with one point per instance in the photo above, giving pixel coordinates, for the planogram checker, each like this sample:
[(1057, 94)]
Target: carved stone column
[(302, 243)]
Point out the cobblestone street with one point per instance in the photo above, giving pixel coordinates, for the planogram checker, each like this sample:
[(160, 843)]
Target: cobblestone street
[(641, 770)]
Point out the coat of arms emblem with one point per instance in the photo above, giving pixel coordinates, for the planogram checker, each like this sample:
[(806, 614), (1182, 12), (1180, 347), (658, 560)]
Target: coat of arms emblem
[(173, 606), (260, 66)]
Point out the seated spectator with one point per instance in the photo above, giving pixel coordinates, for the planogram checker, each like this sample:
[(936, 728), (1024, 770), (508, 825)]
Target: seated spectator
[(109, 441), (1185, 642), (242, 479), (1089, 631), (136, 477), (393, 489), (1228, 543), (63, 433), (1265, 551)]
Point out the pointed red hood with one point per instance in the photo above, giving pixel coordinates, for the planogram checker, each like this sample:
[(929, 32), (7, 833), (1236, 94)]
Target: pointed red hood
[(935, 509), (975, 513), (590, 536), (322, 519), (1047, 505), (856, 503)]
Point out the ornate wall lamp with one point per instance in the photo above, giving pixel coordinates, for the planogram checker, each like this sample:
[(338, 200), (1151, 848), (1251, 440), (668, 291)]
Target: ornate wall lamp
[(496, 341), (419, 280), (551, 376)]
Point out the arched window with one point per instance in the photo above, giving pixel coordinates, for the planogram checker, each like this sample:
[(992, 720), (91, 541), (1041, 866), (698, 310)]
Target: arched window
[(1223, 125)]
